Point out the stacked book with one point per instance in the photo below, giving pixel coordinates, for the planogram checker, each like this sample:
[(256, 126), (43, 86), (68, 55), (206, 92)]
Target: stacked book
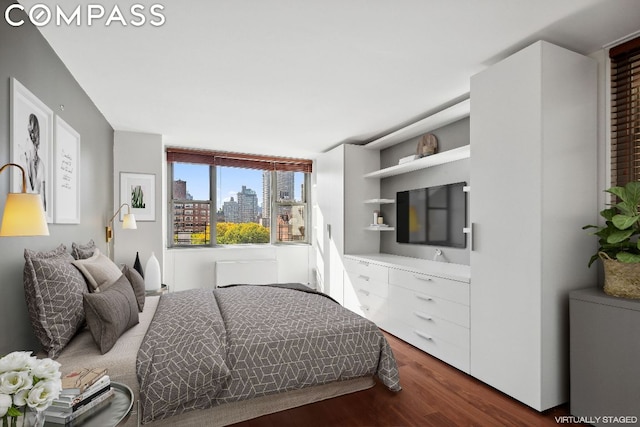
[(84, 393)]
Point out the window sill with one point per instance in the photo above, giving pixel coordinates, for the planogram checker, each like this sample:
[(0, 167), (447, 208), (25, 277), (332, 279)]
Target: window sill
[(240, 246)]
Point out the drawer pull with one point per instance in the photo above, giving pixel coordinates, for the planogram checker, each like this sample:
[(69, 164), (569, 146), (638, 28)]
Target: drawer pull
[(424, 279), (365, 263), (423, 316), (421, 335), (363, 292), (365, 278), (364, 307), (424, 298)]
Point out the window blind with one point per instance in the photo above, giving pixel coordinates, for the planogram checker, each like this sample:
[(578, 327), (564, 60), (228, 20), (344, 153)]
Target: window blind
[(625, 112), (238, 160)]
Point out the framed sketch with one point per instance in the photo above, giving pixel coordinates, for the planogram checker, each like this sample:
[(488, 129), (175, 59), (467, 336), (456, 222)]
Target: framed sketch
[(67, 173), (138, 190), (32, 145)]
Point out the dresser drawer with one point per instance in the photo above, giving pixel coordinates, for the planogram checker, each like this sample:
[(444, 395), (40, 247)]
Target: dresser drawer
[(436, 286), (434, 326), (367, 270), (369, 306), (457, 356), (401, 299), (365, 285)]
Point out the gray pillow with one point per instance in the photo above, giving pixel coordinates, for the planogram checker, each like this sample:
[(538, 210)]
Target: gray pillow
[(99, 271), (79, 251), (111, 313), (53, 290), (60, 251), (137, 282)]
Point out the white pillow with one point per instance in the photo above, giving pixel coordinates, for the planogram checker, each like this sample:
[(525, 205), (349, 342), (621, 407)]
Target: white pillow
[(99, 271)]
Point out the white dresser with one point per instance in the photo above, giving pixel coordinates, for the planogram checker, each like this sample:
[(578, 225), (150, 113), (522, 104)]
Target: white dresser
[(366, 289), (424, 303)]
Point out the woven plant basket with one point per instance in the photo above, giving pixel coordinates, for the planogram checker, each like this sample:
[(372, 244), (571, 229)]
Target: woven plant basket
[(621, 279)]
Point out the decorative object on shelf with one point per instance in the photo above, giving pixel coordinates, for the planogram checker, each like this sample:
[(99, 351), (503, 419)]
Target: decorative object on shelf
[(139, 191), (128, 223), (427, 145), (138, 266), (375, 216), (32, 144), (28, 385), (380, 220), (619, 246), (408, 159), (152, 280), (23, 212)]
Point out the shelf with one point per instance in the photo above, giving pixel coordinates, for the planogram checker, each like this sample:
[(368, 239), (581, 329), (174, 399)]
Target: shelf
[(424, 162), (379, 201), (434, 121), (376, 228)]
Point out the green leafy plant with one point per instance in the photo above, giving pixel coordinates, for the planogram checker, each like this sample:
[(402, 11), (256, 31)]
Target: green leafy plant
[(618, 238)]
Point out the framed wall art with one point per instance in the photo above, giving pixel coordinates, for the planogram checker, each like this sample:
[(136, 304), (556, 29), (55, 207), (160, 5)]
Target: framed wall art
[(138, 190), (67, 173), (32, 145)]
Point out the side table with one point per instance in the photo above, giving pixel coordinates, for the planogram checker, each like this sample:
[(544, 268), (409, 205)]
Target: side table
[(116, 412), (163, 290), (604, 354)]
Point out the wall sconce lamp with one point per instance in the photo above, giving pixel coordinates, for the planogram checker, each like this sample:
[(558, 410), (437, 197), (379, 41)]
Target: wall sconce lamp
[(23, 212), (128, 223)]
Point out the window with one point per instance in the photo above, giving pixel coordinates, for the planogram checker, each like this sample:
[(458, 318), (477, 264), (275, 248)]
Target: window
[(191, 205), (625, 112), (227, 198)]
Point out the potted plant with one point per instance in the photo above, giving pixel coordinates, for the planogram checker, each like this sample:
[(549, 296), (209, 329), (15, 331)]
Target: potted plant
[(619, 246)]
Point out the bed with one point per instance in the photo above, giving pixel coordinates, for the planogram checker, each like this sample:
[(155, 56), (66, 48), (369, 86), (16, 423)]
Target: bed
[(221, 356)]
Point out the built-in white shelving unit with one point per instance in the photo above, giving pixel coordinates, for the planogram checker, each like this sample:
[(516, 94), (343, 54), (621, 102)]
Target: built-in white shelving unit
[(379, 201), (434, 121), (448, 156), (380, 228)]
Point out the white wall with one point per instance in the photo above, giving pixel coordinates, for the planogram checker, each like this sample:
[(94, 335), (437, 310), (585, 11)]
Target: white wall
[(139, 153), (26, 56), (187, 268)]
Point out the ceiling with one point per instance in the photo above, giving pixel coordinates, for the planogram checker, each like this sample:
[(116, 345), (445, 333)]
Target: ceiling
[(295, 78)]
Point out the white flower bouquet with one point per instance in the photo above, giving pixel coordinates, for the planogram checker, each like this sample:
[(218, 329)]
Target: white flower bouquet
[(26, 381)]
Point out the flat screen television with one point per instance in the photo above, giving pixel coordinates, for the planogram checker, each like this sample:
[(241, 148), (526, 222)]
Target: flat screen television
[(432, 216)]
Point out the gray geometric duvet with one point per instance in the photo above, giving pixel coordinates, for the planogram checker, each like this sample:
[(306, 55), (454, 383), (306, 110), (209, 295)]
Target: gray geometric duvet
[(204, 348)]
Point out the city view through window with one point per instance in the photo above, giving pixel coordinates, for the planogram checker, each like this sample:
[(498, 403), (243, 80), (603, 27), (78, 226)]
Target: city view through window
[(243, 202)]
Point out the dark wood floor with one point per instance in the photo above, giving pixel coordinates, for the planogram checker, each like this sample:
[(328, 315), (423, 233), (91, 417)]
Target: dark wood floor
[(434, 394)]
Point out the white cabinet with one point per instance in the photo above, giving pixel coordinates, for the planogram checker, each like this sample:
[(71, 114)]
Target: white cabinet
[(424, 303), (366, 288), (340, 214), (533, 168), (431, 313)]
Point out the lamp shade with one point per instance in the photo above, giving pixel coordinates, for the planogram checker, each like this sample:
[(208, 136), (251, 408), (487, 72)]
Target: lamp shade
[(129, 222), (24, 216)]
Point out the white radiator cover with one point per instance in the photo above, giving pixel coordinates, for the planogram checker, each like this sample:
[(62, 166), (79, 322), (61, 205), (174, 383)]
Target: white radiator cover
[(246, 271)]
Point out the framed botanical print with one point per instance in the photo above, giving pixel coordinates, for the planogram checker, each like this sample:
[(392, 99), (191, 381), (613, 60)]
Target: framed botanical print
[(138, 190)]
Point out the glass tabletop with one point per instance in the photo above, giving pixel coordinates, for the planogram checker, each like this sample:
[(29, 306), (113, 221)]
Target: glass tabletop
[(109, 415)]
